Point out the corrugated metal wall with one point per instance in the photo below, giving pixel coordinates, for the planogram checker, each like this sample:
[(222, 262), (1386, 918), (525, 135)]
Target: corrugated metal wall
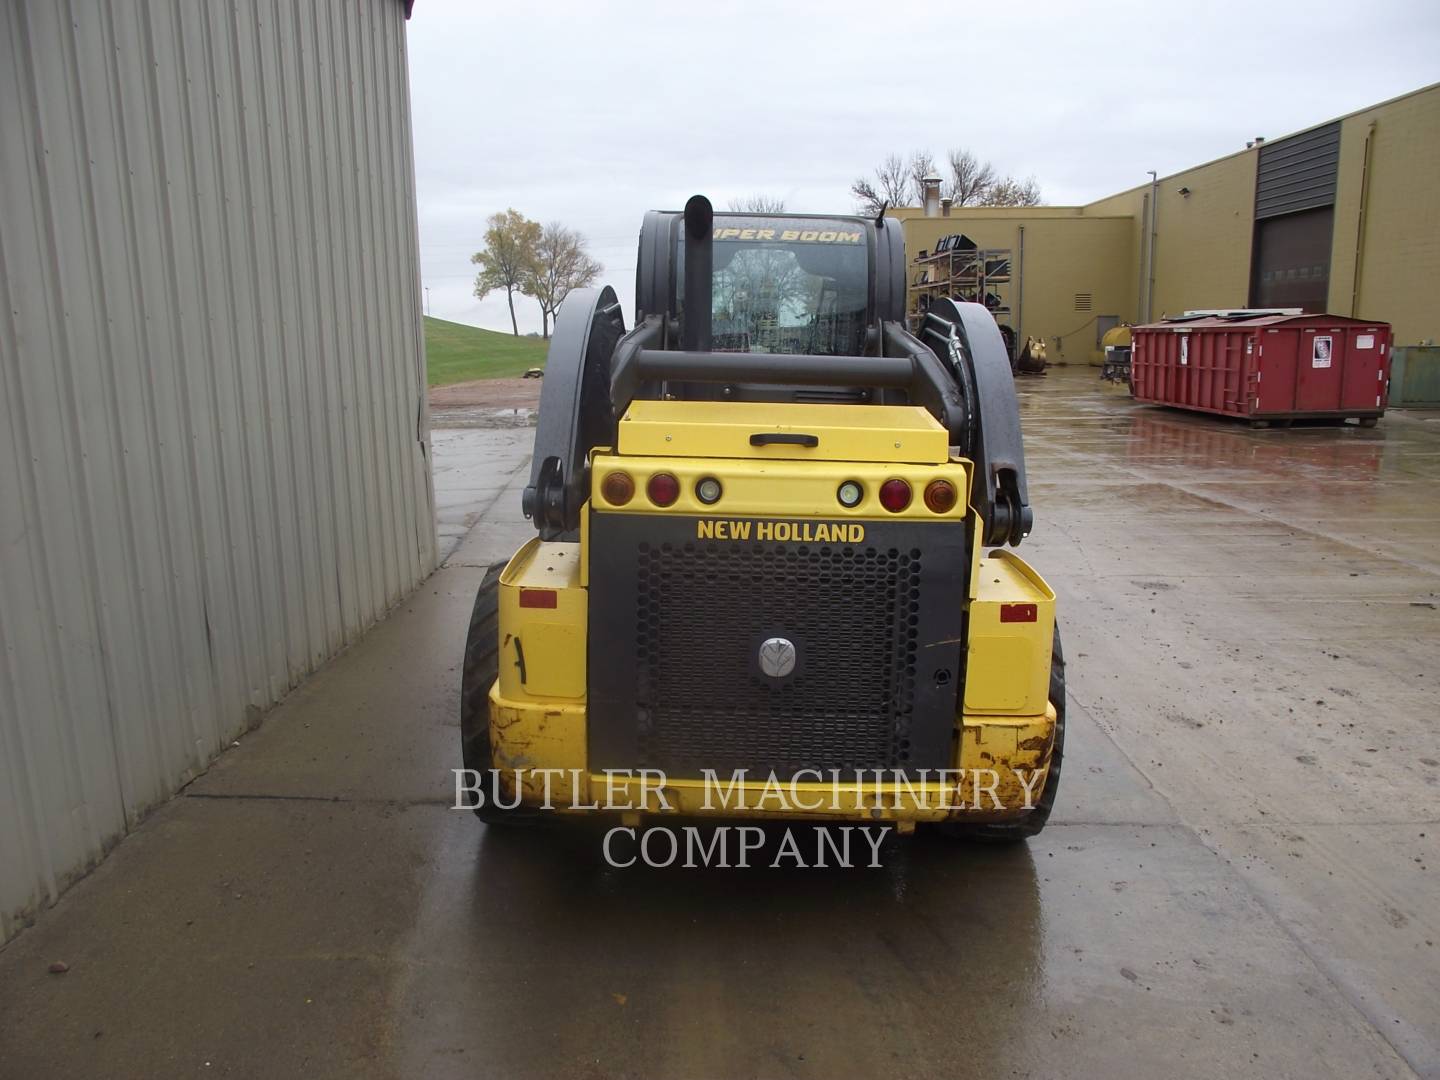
[(214, 470), (1298, 173)]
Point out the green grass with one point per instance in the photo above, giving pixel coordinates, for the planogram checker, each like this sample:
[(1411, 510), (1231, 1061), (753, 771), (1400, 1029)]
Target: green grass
[(455, 353)]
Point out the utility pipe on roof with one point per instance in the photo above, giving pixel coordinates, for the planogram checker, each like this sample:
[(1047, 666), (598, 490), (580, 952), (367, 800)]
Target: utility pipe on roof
[(930, 195)]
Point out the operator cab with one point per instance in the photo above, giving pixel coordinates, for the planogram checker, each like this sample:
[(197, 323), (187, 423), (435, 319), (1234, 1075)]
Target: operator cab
[(787, 285)]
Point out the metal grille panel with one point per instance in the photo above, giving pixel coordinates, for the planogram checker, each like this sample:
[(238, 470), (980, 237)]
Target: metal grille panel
[(875, 628), (700, 697)]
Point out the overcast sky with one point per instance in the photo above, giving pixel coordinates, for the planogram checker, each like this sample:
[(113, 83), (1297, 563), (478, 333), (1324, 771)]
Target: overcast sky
[(591, 114)]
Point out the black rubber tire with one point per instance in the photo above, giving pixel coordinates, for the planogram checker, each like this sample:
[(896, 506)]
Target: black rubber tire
[(1005, 832), (482, 668)]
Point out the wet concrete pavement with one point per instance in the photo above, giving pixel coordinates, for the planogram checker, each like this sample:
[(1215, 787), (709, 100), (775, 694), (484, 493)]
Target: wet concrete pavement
[(1240, 878)]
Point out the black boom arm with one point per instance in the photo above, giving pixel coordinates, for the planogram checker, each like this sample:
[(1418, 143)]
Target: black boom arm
[(575, 411), (967, 340)]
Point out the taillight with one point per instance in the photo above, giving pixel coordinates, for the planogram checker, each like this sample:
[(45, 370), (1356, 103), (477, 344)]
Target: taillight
[(618, 488), (940, 496), (895, 495), (663, 489)]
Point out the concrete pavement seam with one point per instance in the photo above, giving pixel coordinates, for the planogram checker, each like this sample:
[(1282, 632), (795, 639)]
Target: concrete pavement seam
[(1322, 968)]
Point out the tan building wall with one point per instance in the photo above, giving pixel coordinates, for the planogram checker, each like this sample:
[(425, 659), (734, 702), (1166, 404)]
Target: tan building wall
[(1057, 253), (1203, 239), (1134, 207), (1399, 279)]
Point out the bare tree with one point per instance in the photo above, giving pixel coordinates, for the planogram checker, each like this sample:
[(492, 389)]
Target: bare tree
[(1012, 192), (970, 178), (922, 164), (561, 265), (756, 290), (758, 204), (971, 182), (892, 184), (508, 258)]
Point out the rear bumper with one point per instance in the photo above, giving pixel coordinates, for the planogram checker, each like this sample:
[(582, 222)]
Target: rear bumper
[(999, 770)]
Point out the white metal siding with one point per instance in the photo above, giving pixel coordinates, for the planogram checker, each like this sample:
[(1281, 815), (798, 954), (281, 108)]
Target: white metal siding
[(214, 467)]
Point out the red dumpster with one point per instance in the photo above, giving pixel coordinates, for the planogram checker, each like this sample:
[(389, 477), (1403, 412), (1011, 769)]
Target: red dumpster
[(1264, 367)]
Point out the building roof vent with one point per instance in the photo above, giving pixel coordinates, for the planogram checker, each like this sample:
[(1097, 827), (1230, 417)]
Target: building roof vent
[(930, 192)]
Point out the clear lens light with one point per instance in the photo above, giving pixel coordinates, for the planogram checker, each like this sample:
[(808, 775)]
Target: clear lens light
[(708, 490), (850, 494)]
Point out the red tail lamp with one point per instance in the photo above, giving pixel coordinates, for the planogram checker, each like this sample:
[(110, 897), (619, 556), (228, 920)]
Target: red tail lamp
[(663, 489), (895, 495), (940, 496), (618, 488), (538, 598)]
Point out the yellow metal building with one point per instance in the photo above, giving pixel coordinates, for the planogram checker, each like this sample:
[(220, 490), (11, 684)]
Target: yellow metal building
[(1342, 217)]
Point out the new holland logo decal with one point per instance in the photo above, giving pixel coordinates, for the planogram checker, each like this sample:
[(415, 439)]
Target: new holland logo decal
[(813, 532)]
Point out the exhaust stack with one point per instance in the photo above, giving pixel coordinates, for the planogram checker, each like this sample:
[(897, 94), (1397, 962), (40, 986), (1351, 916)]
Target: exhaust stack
[(699, 269), (930, 195)]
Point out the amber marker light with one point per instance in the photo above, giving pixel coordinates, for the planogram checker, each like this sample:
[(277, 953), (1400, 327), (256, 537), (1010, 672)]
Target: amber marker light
[(617, 488), (940, 496)]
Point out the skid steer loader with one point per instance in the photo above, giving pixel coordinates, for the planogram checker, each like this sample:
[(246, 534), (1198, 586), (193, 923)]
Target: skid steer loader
[(771, 575)]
